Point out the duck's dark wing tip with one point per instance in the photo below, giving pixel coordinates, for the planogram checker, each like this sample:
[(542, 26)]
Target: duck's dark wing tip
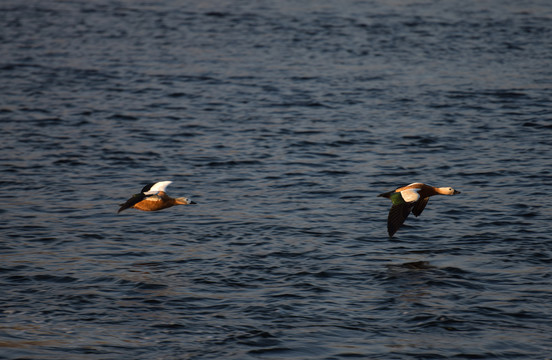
[(397, 215), (419, 206), (125, 206), (147, 187), (386, 194)]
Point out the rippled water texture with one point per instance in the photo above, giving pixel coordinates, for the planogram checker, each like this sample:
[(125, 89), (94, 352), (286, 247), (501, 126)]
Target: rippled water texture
[(283, 120)]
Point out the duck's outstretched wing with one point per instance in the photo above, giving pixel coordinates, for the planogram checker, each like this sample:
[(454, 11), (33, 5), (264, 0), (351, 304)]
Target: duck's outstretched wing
[(397, 215), (419, 206), (135, 199), (154, 188)]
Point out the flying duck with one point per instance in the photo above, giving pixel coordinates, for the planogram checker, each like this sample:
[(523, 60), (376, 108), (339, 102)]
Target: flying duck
[(413, 197), (153, 198)]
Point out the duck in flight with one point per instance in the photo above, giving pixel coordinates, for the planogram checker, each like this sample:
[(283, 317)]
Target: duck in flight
[(153, 197), (413, 197)]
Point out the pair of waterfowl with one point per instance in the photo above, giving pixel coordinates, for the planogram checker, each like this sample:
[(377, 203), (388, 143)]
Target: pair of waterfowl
[(411, 198)]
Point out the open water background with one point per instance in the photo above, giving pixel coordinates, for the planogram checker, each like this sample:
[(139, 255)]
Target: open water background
[(283, 120)]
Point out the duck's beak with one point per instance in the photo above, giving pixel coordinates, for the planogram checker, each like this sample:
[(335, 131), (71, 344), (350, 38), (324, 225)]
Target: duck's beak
[(456, 192), (192, 203)]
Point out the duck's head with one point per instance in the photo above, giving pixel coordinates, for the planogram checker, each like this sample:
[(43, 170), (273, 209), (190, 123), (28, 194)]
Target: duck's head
[(448, 191), (184, 201)]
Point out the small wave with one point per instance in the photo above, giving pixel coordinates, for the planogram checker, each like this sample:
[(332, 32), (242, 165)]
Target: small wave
[(54, 278), (232, 163), (124, 117), (537, 125)]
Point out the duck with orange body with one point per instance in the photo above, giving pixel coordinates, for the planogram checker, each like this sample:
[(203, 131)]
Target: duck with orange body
[(413, 197), (153, 198)]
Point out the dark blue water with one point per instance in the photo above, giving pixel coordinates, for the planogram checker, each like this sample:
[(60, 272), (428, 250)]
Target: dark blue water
[(283, 120)]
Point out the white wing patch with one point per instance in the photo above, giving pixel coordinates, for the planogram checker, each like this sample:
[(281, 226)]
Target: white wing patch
[(158, 186), (410, 195), (153, 198)]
